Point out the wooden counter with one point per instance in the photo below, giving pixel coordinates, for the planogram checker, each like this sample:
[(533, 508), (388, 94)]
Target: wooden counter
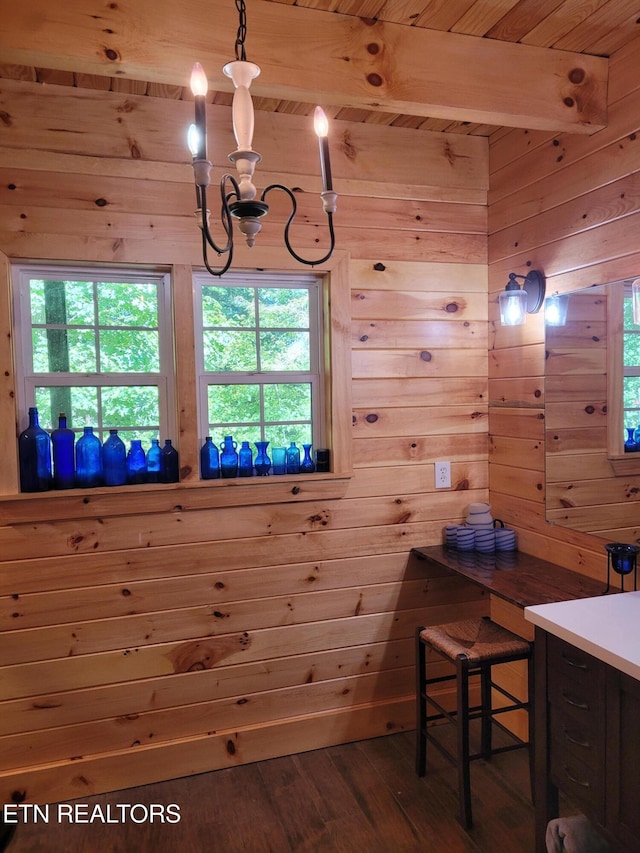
[(516, 577)]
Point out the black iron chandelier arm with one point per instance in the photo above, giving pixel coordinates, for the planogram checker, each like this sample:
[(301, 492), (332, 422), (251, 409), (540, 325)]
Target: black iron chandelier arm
[(294, 208), (205, 257), (225, 219), (225, 213)]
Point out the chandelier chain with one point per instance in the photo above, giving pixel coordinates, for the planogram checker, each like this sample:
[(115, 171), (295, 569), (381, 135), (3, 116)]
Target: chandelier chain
[(242, 31)]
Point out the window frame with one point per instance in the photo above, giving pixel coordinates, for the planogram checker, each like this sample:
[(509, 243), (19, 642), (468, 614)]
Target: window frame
[(191, 492), (314, 376), (623, 464), (27, 379)]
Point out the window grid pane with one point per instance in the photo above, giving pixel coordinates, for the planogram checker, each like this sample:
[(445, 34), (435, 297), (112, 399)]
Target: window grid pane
[(260, 359), (631, 367), (97, 349)]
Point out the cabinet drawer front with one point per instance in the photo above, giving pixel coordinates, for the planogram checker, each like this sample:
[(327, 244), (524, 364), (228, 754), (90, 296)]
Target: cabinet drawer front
[(573, 738), (583, 784), (567, 662), (586, 705)]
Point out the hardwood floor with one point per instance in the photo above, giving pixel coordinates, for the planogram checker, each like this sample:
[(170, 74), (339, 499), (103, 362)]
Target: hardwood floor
[(356, 798)]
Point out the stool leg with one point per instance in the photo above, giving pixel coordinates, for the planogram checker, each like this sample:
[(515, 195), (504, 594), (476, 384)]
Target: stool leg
[(531, 713), (421, 706), (462, 718), (485, 699)]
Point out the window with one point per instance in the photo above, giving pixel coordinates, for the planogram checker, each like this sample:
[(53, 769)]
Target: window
[(631, 364), (267, 355), (96, 345), (260, 358)]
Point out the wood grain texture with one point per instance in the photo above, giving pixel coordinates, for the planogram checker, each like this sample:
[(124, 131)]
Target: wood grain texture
[(179, 630), (551, 179), (169, 630), (353, 62)]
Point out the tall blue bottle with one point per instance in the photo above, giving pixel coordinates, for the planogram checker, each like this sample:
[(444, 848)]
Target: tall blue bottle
[(89, 471), (114, 460), (209, 460), (136, 463), (153, 461), (169, 463), (34, 451), (63, 441)]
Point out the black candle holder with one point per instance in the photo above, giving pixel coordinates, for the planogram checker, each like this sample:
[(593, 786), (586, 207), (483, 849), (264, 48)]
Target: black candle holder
[(622, 558)]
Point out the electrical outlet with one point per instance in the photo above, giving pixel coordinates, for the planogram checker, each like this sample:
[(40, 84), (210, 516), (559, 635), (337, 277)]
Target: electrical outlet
[(443, 475)]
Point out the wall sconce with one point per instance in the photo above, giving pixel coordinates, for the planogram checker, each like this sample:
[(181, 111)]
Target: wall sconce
[(622, 558), (555, 309), (516, 302)]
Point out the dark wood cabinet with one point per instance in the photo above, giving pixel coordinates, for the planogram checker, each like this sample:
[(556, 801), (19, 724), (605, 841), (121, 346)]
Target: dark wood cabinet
[(576, 695), (587, 741), (623, 759)]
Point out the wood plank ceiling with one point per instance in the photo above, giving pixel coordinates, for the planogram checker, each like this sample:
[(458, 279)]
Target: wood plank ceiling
[(594, 27)]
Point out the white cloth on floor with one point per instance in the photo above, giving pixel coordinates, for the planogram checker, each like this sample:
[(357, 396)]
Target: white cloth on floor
[(574, 835)]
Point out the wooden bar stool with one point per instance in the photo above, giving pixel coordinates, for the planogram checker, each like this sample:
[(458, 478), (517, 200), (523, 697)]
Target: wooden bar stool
[(474, 646)]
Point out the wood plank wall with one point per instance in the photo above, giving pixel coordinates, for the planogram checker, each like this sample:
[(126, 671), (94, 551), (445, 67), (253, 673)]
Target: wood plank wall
[(174, 641), (569, 207)]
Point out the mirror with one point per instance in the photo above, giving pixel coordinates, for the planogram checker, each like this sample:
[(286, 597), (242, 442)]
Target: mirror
[(592, 484)]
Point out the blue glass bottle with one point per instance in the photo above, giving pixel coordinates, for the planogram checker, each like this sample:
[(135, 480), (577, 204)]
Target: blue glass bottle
[(34, 451), (245, 460), (228, 457), (169, 463), (89, 472), (307, 466), (136, 463), (630, 445), (114, 455), (209, 460), (63, 442), (153, 461), (293, 459), (263, 463)]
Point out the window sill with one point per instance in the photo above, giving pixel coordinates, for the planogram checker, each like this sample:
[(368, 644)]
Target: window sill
[(626, 465), (174, 497)]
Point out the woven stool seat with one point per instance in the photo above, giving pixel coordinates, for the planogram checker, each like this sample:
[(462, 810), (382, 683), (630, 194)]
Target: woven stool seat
[(473, 647), (477, 640)]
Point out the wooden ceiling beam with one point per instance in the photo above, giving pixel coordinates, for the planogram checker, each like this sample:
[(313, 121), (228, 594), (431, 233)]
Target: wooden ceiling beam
[(317, 57)]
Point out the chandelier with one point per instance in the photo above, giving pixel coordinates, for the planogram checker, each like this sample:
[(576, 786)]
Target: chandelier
[(238, 196)]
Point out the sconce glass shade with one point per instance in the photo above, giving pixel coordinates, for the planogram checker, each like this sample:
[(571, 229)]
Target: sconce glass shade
[(513, 307), (516, 302), (555, 309), (635, 301)]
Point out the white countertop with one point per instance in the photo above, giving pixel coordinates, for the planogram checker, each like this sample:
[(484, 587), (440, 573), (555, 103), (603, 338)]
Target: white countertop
[(607, 627)]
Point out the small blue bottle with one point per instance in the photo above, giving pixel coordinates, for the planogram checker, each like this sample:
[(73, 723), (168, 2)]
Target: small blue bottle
[(263, 463), (63, 441), (136, 463), (245, 460), (307, 466), (89, 471), (228, 457), (153, 461), (169, 463), (293, 459), (114, 455), (209, 460)]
